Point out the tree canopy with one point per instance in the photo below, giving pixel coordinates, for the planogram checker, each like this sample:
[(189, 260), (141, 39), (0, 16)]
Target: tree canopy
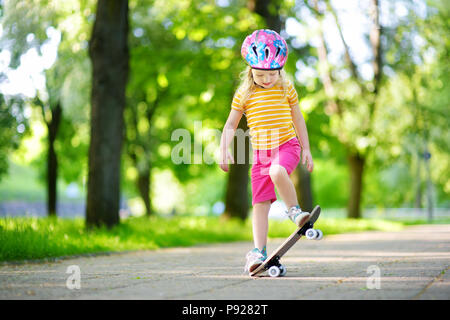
[(377, 93)]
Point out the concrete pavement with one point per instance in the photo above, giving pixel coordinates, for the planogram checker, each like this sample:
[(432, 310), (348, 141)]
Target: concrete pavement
[(410, 264)]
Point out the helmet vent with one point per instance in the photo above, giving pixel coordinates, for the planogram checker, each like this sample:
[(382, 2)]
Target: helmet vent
[(254, 50), (267, 52), (278, 52)]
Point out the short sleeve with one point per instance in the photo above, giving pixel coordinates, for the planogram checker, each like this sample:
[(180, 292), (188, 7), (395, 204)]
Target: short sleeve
[(236, 103), (292, 94)]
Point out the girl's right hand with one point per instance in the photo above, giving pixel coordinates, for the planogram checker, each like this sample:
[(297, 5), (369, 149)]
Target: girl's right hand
[(224, 163)]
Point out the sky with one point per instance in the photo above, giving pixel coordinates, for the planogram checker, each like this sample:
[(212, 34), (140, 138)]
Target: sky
[(29, 75)]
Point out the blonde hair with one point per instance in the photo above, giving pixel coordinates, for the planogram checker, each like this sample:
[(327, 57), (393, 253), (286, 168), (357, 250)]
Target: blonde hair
[(248, 85)]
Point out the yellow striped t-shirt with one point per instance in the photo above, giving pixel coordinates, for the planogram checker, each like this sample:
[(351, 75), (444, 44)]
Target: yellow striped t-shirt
[(268, 115)]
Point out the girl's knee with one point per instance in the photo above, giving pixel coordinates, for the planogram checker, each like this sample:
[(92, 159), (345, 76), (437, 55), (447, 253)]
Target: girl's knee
[(277, 172), (262, 204)]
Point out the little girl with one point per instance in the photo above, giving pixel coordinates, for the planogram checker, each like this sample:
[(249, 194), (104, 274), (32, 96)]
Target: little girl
[(270, 103)]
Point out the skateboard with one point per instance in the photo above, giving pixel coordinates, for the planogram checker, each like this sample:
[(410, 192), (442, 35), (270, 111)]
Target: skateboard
[(272, 263)]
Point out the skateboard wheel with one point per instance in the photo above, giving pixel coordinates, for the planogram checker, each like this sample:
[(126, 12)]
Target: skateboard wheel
[(319, 234), (282, 271), (274, 271), (311, 234)]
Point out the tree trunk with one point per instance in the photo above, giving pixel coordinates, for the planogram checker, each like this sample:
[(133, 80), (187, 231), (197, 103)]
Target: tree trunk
[(418, 200), (301, 179), (268, 9), (108, 50), (142, 163), (236, 200), (143, 183), (52, 161), (356, 163), (375, 41), (429, 182)]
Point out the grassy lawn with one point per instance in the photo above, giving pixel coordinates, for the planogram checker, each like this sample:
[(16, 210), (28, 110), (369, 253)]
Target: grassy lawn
[(37, 238)]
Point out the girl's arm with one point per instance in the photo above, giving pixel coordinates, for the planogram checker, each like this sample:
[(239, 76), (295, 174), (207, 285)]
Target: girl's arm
[(302, 132), (227, 136)]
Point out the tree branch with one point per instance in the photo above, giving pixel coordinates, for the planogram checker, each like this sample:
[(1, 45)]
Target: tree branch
[(324, 70), (375, 36), (37, 101), (348, 57)]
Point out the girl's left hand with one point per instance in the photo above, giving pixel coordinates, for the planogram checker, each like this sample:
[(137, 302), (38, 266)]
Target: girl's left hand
[(307, 157)]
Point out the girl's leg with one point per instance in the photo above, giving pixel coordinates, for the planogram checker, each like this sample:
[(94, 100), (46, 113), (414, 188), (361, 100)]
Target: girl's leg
[(260, 223), (284, 185)]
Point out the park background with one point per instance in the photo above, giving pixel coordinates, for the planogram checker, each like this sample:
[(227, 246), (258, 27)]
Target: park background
[(373, 83)]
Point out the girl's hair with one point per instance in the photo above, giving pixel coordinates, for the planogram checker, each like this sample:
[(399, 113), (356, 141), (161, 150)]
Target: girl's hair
[(248, 85)]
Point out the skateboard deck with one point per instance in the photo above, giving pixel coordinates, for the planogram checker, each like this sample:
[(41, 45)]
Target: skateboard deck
[(274, 258)]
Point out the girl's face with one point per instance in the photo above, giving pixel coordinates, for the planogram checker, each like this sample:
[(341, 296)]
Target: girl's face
[(265, 78)]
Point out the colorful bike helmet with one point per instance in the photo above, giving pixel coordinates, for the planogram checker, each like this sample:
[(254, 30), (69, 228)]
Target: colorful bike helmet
[(265, 49)]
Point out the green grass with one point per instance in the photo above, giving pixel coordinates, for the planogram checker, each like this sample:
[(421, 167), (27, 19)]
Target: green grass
[(331, 226), (424, 221), (38, 238)]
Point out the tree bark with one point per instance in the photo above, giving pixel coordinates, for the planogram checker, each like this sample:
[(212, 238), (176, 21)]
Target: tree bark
[(142, 162), (236, 199), (301, 179), (375, 41), (52, 118), (108, 50), (144, 187), (52, 160), (268, 9), (356, 165), (418, 200)]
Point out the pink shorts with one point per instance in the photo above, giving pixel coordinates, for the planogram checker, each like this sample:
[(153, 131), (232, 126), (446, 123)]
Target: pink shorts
[(287, 155)]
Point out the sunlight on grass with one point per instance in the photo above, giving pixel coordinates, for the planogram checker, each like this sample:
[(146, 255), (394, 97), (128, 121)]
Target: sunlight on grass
[(331, 226), (37, 238)]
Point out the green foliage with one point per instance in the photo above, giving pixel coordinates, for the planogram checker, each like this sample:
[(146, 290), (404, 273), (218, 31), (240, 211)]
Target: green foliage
[(184, 67), (66, 82), (21, 183), (330, 184), (408, 115), (415, 115), (13, 126), (185, 59)]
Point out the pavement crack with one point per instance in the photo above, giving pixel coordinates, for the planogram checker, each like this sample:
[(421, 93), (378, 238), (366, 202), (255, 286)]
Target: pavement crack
[(434, 280)]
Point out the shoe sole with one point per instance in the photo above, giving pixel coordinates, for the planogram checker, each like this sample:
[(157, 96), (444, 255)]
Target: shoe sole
[(252, 268), (255, 266), (304, 220)]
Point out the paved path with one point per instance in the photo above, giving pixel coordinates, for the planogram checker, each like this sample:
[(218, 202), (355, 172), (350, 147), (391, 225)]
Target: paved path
[(413, 264)]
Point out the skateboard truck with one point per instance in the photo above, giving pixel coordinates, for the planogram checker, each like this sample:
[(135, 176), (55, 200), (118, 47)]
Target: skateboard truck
[(310, 233), (275, 268)]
